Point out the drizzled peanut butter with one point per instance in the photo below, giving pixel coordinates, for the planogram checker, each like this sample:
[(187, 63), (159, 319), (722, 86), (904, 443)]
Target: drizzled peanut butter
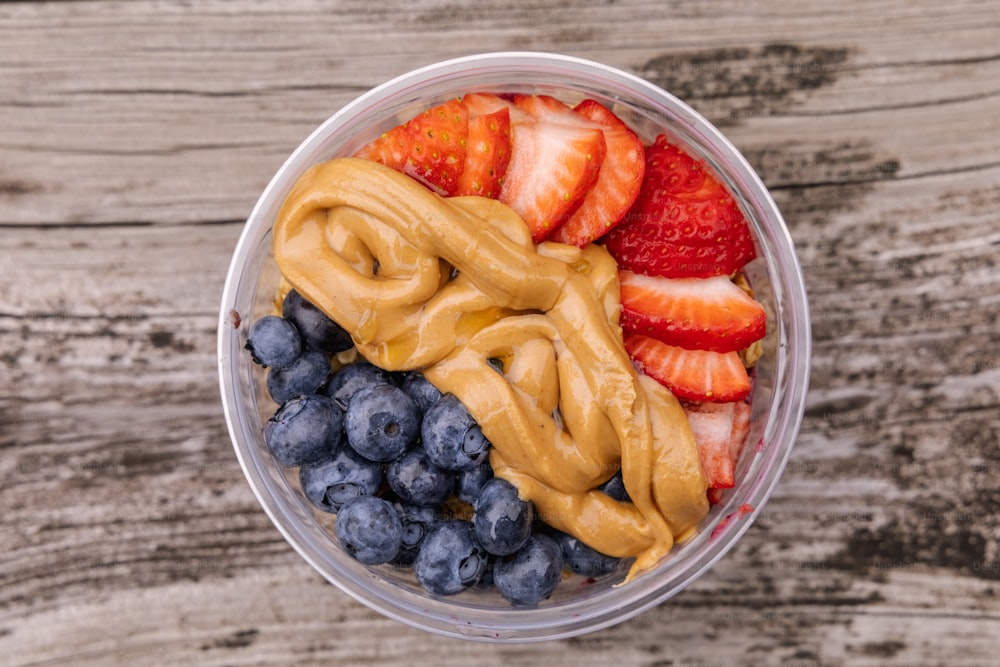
[(445, 286)]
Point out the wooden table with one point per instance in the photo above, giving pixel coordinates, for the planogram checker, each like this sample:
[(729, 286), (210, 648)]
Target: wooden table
[(134, 140)]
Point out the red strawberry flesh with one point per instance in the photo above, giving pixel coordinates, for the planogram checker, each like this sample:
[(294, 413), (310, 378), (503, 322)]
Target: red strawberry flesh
[(697, 375), (684, 223), (439, 145), (556, 157), (430, 147), (618, 182), (694, 313), (719, 430), (712, 427), (392, 148), (487, 154)]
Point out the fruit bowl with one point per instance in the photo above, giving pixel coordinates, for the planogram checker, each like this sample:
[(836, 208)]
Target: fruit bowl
[(579, 603)]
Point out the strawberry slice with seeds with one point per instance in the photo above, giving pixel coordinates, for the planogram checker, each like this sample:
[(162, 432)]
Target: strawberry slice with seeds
[(719, 430), (430, 147), (487, 154), (548, 108), (556, 157), (482, 104), (696, 375), (618, 182), (683, 224), (440, 135), (392, 148), (712, 427), (694, 313)]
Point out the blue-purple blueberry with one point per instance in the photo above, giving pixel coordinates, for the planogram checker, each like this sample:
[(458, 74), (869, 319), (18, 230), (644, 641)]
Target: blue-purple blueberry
[(303, 430), (420, 389), (583, 559), (351, 379), (338, 478), (452, 437), (274, 342), (531, 574), (418, 521), (369, 529), (615, 487), (502, 520), (318, 331), (382, 422), (450, 560), (469, 483), (417, 481), (304, 376)]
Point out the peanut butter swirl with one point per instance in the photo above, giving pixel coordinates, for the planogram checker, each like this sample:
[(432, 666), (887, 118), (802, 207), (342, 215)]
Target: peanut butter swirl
[(444, 285)]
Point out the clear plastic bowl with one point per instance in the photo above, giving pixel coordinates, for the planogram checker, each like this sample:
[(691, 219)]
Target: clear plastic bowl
[(578, 605)]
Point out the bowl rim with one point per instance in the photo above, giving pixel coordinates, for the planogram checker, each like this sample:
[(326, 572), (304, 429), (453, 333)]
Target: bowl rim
[(439, 615)]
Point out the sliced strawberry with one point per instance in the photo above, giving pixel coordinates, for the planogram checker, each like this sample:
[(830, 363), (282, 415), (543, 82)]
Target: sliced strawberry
[(440, 135), (392, 148), (487, 154), (556, 157), (430, 147), (720, 430), (684, 223), (715, 496), (481, 104), (712, 427), (618, 183), (694, 313), (697, 375), (741, 429), (548, 108)]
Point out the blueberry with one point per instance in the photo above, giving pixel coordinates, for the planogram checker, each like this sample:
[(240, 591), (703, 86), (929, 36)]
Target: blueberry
[(615, 487), (274, 341), (450, 560), (496, 363), (501, 519), (417, 481), (469, 482), (352, 378), (382, 422), (419, 388), (418, 521), (332, 481), (303, 430), (305, 376), (531, 574), (451, 436), (369, 529), (318, 331), (583, 559), (486, 581)]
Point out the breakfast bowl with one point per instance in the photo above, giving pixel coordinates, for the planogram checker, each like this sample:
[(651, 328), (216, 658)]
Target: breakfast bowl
[(579, 602)]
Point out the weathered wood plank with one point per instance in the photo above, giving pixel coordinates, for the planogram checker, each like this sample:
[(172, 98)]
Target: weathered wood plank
[(281, 617), (135, 138), (230, 99)]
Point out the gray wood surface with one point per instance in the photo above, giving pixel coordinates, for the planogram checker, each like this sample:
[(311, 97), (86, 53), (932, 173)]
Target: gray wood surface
[(134, 140)]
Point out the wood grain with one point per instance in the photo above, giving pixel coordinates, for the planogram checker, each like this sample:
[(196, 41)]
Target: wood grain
[(134, 140)]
